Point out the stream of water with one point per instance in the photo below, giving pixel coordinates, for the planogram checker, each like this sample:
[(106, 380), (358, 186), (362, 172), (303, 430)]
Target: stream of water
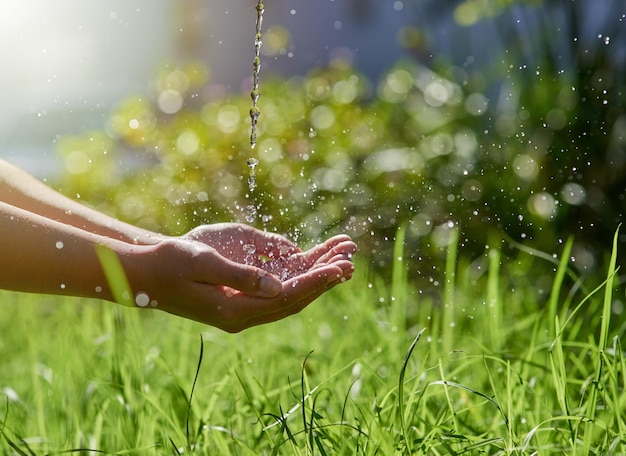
[(250, 211), (254, 111)]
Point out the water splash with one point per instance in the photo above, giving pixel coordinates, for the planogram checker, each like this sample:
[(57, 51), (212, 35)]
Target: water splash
[(250, 250), (250, 213), (252, 162)]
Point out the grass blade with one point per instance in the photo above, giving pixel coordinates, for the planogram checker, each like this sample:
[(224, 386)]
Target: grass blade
[(401, 387), (473, 391), (608, 296), (115, 275), (449, 290), (557, 284), (398, 298), (602, 342), (193, 387), (559, 375)]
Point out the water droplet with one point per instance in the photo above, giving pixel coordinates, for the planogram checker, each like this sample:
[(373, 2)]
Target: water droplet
[(250, 213), (256, 65), (284, 275), (250, 249), (252, 162), (11, 394), (251, 183), (59, 245), (142, 299)]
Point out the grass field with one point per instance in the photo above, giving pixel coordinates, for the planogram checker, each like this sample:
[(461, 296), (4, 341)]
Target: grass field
[(508, 355)]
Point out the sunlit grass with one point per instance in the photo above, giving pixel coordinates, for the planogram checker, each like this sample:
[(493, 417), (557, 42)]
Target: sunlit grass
[(476, 365)]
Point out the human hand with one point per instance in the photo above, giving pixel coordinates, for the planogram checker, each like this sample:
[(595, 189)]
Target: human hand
[(214, 285), (269, 251), (242, 243)]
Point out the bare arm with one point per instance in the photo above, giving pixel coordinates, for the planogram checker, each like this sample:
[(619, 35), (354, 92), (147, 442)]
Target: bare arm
[(21, 190), (40, 255), (48, 245), (182, 276)]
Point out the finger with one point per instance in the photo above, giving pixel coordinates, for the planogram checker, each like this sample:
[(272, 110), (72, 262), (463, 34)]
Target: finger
[(339, 257), (346, 266), (293, 291), (323, 253), (248, 279), (275, 246), (335, 249), (284, 313), (339, 238), (344, 249), (314, 254), (233, 311), (298, 295)]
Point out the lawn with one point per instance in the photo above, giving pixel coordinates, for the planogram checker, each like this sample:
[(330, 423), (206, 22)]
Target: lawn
[(510, 354)]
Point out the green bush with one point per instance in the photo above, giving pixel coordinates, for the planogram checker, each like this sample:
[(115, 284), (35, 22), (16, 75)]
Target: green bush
[(335, 152), (338, 153)]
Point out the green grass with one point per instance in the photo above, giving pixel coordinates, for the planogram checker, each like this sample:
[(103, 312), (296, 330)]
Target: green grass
[(483, 363)]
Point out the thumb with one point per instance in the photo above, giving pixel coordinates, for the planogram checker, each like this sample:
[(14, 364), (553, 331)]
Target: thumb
[(247, 279)]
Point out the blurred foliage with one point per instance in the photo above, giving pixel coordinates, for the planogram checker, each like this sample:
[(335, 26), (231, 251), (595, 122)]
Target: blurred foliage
[(469, 12), (336, 153), (536, 153)]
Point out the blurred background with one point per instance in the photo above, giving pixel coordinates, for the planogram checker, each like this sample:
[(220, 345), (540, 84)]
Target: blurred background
[(491, 119), (65, 64)]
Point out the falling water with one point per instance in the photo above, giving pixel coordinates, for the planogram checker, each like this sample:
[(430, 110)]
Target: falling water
[(254, 111), (252, 162), (250, 211)]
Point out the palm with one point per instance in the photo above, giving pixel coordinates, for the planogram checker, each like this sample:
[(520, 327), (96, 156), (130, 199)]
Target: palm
[(270, 252)]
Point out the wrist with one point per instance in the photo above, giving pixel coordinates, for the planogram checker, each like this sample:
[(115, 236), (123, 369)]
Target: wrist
[(146, 238), (136, 278)]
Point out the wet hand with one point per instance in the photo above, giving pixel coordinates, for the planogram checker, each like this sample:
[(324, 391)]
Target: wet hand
[(242, 243), (225, 286), (269, 251)]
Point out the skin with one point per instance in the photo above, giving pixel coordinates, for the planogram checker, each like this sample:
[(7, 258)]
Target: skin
[(211, 274)]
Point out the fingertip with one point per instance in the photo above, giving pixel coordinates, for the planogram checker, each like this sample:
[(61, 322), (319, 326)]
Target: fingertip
[(344, 247), (325, 273), (335, 276), (338, 239), (347, 268), (269, 285)]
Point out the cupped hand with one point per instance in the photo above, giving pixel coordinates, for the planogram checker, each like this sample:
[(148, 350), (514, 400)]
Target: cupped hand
[(269, 251), (208, 276), (242, 243)]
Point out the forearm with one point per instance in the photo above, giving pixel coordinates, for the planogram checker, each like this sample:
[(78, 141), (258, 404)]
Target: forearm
[(40, 255), (21, 190)]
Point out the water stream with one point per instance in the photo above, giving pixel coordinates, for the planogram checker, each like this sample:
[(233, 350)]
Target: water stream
[(254, 94), (250, 211)]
